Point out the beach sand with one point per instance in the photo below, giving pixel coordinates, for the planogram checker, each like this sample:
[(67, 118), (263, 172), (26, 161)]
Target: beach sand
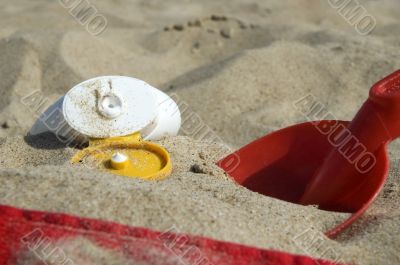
[(235, 68)]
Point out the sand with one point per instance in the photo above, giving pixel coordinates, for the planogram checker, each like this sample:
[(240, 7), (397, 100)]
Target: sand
[(235, 68)]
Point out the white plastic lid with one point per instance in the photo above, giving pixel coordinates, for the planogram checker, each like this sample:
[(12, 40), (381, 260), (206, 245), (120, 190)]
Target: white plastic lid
[(110, 106)]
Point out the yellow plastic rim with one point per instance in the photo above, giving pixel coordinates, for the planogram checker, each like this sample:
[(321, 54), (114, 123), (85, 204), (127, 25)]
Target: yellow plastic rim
[(145, 160)]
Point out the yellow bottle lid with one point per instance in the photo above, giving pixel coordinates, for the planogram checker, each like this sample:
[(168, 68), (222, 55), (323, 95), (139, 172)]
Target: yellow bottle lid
[(128, 156)]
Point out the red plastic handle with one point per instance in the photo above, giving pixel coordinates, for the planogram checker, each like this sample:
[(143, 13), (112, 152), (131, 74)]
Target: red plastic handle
[(376, 124)]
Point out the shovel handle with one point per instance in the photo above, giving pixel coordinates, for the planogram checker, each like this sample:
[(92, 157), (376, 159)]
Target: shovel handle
[(352, 155)]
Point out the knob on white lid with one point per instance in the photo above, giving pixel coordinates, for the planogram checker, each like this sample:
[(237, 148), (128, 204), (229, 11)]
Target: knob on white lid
[(109, 104)]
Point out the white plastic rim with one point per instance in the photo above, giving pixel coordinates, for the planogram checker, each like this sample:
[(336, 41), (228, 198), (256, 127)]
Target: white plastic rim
[(136, 107), (168, 120)]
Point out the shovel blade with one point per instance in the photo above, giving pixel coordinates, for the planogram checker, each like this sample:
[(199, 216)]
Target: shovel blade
[(282, 164)]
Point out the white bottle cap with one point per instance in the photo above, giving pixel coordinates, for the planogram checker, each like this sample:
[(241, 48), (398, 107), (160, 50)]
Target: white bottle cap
[(110, 106)]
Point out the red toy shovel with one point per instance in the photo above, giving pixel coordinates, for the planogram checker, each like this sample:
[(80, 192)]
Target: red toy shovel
[(337, 165)]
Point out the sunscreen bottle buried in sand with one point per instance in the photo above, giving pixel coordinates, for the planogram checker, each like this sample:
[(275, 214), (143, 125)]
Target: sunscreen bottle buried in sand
[(116, 115)]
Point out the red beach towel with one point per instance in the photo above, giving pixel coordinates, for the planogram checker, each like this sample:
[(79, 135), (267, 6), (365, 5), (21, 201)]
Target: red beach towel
[(27, 231)]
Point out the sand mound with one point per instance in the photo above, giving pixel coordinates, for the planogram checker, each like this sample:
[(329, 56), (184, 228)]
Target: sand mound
[(197, 198), (199, 203)]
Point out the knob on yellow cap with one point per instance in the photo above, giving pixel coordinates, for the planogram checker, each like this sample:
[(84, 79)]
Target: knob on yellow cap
[(126, 156), (119, 161)]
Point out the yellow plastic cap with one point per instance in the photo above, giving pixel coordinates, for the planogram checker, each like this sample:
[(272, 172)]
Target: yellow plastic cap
[(128, 156)]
